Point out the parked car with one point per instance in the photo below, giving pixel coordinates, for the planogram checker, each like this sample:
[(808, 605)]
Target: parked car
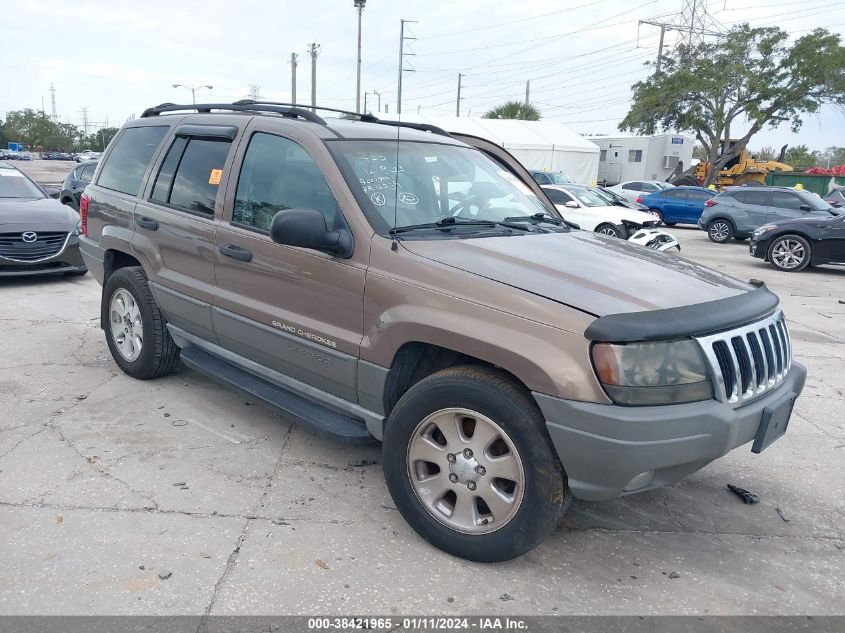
[(678, 205), (6, 155), (633, 189), (737, 211), (792, 245), (86, 155), (615, 199), (75, 182), (836, 198), (577, 204), (49, 156), (551, 178), (38, 235), (422, 289)]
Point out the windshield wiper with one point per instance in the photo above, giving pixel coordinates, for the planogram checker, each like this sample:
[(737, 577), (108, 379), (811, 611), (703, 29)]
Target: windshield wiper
[(537, 218), (449, 221)]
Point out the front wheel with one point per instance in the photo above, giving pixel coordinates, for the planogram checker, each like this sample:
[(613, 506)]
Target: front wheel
[(610, 229), (658, 215), (790, 253), (471, 467), (720, 230)]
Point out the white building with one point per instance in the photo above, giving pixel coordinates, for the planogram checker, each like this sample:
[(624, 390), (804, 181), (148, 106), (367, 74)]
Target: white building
[(538, 145), (655, 157)]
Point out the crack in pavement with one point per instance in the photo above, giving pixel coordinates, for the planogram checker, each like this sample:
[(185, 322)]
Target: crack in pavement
[(820, 429), (230, 562), (21, 441)]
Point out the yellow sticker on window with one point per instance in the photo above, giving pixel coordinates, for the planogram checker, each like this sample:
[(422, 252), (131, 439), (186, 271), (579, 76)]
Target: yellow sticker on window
[(214, 177)]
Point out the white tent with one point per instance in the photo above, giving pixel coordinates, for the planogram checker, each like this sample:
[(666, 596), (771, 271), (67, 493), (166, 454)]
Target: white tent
[(539, 145)]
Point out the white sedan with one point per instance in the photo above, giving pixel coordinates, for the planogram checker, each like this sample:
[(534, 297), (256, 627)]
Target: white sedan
[(581, 206), (633, 189)]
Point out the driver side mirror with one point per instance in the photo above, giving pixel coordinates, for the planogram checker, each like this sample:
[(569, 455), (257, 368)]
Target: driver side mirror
[(572, 205), (307, 228), (805, 207)]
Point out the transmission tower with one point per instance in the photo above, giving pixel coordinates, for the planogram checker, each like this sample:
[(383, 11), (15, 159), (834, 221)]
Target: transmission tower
[(254, 92), (85, 123), (55, 115), (693, 23)]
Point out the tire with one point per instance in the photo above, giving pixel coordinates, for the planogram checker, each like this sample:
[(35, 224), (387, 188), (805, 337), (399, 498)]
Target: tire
[(148, 350), (658, 214), (526, 514), (720, 230), (610, 229), (740, 239), (790, 253), (671, 223)]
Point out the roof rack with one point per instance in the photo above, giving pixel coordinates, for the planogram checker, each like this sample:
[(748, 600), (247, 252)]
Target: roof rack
[(291, 111)]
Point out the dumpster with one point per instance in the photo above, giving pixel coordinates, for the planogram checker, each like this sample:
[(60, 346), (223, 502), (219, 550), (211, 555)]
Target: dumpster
[(817, 183)]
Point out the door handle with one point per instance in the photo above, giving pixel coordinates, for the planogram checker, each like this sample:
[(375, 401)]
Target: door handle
[(147, 223), (236, 252)]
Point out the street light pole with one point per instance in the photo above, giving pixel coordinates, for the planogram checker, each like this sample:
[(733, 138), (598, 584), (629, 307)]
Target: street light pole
[(193, 90), (359, 4)]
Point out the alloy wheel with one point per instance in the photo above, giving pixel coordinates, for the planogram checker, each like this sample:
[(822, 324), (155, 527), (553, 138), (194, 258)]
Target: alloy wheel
[(465, 471), (788, 253), (720, 231), (125, 325)]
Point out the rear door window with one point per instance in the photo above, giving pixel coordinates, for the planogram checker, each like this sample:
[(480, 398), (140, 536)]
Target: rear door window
[(190, 175), (125, 166), (751, 197), (673, 194), (698, 196)]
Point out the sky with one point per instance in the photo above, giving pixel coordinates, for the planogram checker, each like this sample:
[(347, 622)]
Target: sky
[(117, 58)]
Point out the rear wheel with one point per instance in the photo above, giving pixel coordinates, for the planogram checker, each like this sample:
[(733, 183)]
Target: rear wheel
[(470, 465), (790, 253), (610, 229), (136, 331), (720, 230)]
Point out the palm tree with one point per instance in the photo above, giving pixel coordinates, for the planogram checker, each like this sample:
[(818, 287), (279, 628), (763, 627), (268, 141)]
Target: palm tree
[(514, 110)]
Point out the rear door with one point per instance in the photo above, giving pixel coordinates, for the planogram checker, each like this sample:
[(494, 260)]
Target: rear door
[(695, 203), (749, 210), (176, 221)]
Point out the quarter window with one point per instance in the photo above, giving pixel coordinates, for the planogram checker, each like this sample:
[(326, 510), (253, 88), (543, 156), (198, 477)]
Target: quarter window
[(128, 160), (278, 174), (191, 174)]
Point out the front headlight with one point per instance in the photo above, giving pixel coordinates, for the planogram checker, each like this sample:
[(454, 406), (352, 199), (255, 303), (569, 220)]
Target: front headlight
[(762, 230), (664, 372)]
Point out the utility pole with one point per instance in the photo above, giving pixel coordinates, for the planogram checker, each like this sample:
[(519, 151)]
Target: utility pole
[(314, 50), (378, 94), (402, 69), (458, 102), (55, 115), (84, 112), (359, 4), (527, 91), (42, 106), (293, 65)]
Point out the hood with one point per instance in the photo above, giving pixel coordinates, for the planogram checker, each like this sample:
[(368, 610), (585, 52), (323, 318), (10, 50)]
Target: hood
[(812, 217), (35, 214), (591, 272)]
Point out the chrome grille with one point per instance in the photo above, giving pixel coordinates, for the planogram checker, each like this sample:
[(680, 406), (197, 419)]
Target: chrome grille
[(46, 244), (748, 361)]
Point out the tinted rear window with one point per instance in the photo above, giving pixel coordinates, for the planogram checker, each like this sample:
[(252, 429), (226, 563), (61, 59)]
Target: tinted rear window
[(124, 169)]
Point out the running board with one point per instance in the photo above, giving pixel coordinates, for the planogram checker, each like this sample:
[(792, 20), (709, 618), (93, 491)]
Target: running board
[(289, 404)]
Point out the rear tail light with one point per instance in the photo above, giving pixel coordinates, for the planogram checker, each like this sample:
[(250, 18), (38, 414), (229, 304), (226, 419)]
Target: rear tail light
[(710, 203), (83, 213), (639, 199)]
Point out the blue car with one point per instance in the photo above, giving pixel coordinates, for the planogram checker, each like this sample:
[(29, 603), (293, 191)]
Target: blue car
[(678, 205)]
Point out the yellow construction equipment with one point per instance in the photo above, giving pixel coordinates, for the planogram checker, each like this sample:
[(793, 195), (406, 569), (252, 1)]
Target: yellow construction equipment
[(742, 169)]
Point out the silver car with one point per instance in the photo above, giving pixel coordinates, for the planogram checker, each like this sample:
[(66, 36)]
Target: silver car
[(737, 211)]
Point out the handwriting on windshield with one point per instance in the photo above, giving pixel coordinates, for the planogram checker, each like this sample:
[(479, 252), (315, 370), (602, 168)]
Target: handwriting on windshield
[(380, 176)]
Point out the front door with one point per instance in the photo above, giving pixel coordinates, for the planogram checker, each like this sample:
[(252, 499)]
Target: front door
[(297, 311), (785, 205)]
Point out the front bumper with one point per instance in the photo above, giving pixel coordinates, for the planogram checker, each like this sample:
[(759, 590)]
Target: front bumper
[(758, 249), (608, 451), (68, 260)]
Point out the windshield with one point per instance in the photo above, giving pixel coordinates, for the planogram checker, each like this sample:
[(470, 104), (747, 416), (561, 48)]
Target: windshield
[(13, 184), (558, 178), (588, 198), (605, 194), (432, 182), (816, 202)]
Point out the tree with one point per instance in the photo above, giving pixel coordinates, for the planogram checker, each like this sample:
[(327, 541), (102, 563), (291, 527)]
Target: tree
[(30, 127), (766, 153), (799, 157), (514, 110), (830, 157), (749, 74)]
